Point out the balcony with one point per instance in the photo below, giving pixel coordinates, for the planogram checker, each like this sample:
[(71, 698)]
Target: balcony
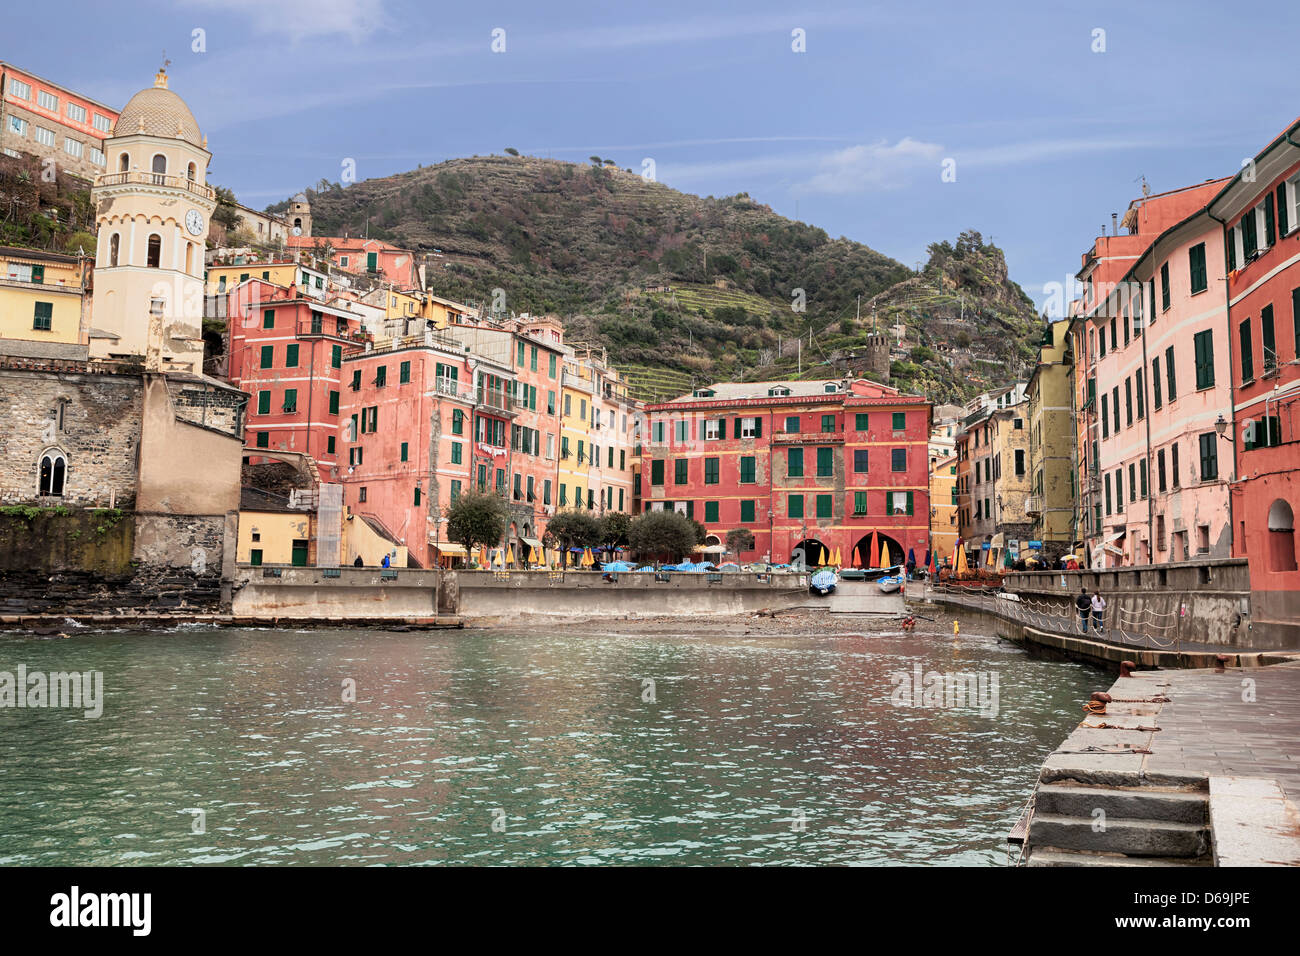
[(155, 179), (1034, 505)]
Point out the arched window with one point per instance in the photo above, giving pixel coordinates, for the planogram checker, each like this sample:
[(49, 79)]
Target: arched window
[(159, 169), (54, 469), (114, 243), (190, 172), (155, 251), (297, 223), (1281, 537), (124, 163)]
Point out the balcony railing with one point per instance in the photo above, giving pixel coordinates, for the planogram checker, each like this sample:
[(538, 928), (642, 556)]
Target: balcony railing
[(1034, 505), (155, 179)]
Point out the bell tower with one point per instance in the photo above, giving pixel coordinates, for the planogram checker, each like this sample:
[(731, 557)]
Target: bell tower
[(153, 207), (299, 216)]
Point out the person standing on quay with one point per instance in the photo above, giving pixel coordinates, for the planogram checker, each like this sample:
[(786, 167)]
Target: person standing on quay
[(1098, 611), (1084, 606)]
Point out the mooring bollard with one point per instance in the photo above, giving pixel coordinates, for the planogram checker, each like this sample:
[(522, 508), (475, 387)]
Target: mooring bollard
[(1126, 668)]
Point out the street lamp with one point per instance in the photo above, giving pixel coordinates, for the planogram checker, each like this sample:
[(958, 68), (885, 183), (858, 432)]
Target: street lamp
[(1221, 426)]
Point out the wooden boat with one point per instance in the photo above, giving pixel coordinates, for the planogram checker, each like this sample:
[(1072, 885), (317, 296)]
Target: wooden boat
[(890, 584)]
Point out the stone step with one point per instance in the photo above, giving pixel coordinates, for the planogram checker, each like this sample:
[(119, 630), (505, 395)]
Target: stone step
[(1147, 803), (1055, 856), (1119, 835)]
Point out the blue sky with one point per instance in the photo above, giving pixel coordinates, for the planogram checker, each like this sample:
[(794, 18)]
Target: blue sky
[(1048, 137)]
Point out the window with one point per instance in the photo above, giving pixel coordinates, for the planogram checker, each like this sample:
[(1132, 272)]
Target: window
[(1142, 473), (1108, 501), (713, 428), (263, 439), (1114, 409), (19, 89), (859, 502), (711, 471), (1140, 385), (1266, 338), (1173, 465), (860, 461), (750, 427), (898, 459), (747, 470), (1155, 381), (1160, 470), (1204, 345), (1105, 415), (102, 123), (97, 156), (154, 251), (75, 113), (1128, 402), (828, 423), (268, 353), (794, 462), (792, 421), (264, 403), (900, 503), (1169, 372), (1196, 264), (44, 136), (900, 421), (1164, 287), (747, 512), (381, 375), (1119, 489), (824, 505), (678, 427), (73, 147), (290, 399), (657, 472), (17, 125), (291, 356), (825, 462), (54, 469), (681, 470), (1247, 353), (1209, 456), (1020, 461), (1132, 481), (43, 316)]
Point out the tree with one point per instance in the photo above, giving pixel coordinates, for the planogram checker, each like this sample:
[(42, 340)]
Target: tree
[(80, 240), (595, 160), (572, 529), (614, 527), (740, 539), (662, 532), (477, 519), (512, 151), (226, 212), (701, 532)]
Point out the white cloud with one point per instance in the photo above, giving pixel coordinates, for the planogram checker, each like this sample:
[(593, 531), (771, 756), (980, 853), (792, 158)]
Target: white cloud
[(872, 167)]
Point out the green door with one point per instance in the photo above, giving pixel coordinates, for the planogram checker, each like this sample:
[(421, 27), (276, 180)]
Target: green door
[(38, 275), (372, 262), (255, 557), (299, 553)]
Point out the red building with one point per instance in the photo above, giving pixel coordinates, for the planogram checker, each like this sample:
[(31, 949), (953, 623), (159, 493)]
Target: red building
[(1260, 213), (822, 466), (287, 351), (423, 420)]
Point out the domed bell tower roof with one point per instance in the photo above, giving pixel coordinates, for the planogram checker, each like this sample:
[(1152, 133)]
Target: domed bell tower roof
[(159, 112)]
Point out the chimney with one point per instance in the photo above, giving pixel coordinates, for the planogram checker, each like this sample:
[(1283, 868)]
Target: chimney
[(1114, 224)]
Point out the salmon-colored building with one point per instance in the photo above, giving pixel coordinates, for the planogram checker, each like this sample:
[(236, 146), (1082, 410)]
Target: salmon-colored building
[(1259, 212), (813, 467), (287, 350), (1162, 274), (371, 256)]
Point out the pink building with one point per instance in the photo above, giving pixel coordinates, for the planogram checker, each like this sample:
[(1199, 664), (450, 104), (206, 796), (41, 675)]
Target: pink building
[(1153, 307)]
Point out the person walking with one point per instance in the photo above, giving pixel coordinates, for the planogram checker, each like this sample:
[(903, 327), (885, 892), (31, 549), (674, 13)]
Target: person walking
[(1098, 612), (1083, 604)]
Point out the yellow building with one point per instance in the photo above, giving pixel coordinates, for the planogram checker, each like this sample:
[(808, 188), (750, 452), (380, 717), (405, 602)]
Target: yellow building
[(274, 537), (943, 505), (1050, 504), (443, 312), (41, 296), (576, 410), (225, 277)]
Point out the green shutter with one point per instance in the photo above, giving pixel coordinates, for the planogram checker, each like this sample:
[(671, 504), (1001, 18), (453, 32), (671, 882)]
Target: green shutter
[(1283, 226), (264, 403), (909, 502), (268, 354), (1270, 224), (794, 506), (794, 462), (291, 356), (268, 319), (747, 512), (334, 403), (711, 512)]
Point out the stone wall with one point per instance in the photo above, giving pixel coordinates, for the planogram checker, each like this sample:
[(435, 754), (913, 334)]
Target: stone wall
[(99, 434), (335, 594)]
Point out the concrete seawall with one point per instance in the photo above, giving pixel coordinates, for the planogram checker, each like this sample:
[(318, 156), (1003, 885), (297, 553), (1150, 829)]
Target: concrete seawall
[(489, 595), (337, 594)]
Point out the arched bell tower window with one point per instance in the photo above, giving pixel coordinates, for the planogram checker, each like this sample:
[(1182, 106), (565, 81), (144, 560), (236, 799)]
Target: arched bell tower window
[(159, 169), (114, 244), (191, 172), (297, 223), (54, 470), (155, 251), (124, 163)]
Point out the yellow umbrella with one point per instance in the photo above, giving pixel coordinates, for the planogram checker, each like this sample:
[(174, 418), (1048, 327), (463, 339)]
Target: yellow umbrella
[(587, 559), (835, 560), (959, 560), (482, 556), (510, 554), (884, 553)]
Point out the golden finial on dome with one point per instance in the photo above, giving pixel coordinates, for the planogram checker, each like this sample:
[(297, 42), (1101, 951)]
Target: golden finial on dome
[(160, 78)]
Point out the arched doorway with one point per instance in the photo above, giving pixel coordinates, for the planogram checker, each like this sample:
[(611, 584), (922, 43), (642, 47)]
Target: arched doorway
[(1281, 537), (812, 552), (866, 553)]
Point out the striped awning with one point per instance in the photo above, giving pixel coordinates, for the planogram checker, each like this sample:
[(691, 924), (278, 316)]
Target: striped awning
[(449, 549), (531, 542)]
